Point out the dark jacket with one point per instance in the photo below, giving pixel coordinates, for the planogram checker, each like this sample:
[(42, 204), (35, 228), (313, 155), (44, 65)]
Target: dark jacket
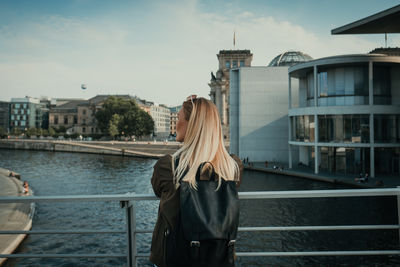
[(164, 188)]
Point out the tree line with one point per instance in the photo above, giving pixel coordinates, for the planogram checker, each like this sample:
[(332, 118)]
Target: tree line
[(116, 117)]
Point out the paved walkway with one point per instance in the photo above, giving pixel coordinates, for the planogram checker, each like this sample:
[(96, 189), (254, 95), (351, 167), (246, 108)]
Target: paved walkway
[(305, 172), (13, 216)]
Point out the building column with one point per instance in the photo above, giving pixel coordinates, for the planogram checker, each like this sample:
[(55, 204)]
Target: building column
[(223, 114), (371, 83), (290, 92), (316, 138), (290, 147), (372, 145), (290, 124), (371, 118), (218, 100)]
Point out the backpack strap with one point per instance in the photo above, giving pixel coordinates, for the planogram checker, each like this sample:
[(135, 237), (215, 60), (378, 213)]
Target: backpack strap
[(212, 178)]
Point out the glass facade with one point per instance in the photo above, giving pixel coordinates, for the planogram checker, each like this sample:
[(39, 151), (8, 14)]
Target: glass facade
[(344, 128), (343, 86), (347, 86), (345, 160), (386, 128), (337, 83), (387, 160), (382, 85), (304, 128)]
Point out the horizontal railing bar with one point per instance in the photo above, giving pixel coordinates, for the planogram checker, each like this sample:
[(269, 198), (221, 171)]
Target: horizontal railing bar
[(242, 195), (306, 253), (319, 228), (304, 228), (318, 253), (320, 193), (34, 255), (35, 232)]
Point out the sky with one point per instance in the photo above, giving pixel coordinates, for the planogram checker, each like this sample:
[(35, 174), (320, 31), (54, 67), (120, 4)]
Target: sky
[(161, 51)]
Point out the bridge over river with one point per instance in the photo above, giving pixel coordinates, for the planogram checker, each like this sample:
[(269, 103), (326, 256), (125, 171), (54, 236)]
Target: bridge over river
[(73, 174)]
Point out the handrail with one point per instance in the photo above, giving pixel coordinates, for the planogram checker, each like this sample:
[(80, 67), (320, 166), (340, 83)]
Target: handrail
[(126, 201), (242, 195)]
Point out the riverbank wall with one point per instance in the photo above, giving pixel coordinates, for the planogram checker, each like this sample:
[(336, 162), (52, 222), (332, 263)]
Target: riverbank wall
[(159, 149), (13, 216), (132, 149)]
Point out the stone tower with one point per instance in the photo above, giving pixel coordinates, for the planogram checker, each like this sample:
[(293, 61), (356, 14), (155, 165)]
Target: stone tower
[(219, 84)]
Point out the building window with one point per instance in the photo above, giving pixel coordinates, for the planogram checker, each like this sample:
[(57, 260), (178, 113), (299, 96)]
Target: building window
[(241, 63), (344, 128), (24, 106), (23, 123), (341, 86), (65, 119), (83, 129), (387, 128), (382, 85), (83, 121), (55, 119), (17, 105), (304, 128), (387, 160), (84, 112), (345, 160), (24, 117), (92, 130), (75, 119), (227, 64), (235, 64), (12, 117)]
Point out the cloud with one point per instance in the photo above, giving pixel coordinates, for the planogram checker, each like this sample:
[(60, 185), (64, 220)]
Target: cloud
[(165, 56)]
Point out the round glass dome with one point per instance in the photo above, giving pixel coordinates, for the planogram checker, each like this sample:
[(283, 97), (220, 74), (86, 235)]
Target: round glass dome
[(289, 58)]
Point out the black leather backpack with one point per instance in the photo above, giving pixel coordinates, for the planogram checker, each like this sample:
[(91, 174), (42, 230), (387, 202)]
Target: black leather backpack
[(205, 233)]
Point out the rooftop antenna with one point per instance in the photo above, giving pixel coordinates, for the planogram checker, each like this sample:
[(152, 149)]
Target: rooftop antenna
[(234, 38)]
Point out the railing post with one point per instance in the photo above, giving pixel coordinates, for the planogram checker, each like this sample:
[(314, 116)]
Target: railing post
[(398, 210), (131, 233)]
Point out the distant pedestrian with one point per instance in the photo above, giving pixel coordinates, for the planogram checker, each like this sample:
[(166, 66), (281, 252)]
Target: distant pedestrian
[(25, 189)]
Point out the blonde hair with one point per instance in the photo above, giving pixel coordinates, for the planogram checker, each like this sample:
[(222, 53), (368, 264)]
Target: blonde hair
[(203, 143)]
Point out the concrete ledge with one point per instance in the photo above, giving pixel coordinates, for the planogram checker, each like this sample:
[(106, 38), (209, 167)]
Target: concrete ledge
[(131, 149), (13, 216), (310, 176)]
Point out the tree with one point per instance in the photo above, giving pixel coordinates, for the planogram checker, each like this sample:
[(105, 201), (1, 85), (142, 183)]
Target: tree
[(16, 131), (52, 132), (131, 119), (113, 125), (31, 132)]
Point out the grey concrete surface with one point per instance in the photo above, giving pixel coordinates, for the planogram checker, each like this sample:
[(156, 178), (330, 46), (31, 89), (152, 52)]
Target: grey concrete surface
[(13, 216)]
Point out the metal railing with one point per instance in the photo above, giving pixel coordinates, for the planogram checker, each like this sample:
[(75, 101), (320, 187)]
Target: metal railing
[(127, 202)]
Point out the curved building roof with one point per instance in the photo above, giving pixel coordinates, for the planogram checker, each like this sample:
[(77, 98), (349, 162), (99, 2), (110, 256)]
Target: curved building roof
[(289, 58)]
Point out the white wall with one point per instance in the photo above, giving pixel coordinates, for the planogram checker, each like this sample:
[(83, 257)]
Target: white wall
[(261, 102)]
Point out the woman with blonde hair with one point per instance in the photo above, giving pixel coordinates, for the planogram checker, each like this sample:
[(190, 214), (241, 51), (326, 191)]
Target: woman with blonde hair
[(199, 129)]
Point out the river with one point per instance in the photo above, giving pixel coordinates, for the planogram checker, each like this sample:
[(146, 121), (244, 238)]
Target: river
[(56, 173)]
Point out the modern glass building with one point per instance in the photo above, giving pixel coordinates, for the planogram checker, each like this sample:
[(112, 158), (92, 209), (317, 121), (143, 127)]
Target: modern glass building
[(346, 118)]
